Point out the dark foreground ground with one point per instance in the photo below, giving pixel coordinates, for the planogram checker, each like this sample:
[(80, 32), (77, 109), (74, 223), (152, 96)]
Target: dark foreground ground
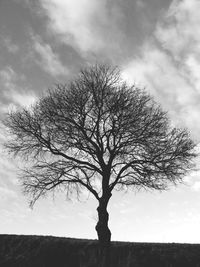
[(47, 251)]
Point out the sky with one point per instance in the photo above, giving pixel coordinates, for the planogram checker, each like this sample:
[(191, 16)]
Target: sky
[(156, 44)]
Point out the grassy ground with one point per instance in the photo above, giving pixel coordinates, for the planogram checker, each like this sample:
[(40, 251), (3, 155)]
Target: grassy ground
[(47, 251)]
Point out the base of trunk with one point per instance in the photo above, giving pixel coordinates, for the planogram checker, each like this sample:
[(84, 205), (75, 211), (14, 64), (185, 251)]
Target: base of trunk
[(104, 234)]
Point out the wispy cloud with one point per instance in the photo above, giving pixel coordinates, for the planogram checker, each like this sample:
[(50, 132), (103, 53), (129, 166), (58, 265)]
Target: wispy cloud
[(72, 21), (179, 32), (179, 35), (7, 42), (169, 64), (91, 27), (6, 193), (46, 58), (11, 92), (140, 3)]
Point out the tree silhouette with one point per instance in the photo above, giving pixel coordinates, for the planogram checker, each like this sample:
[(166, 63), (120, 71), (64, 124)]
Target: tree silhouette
[(97, 133)]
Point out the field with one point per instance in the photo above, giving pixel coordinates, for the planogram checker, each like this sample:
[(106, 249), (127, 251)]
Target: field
[(48, 251)]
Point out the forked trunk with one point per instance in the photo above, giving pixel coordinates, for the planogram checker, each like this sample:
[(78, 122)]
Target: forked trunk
[(103, 232)]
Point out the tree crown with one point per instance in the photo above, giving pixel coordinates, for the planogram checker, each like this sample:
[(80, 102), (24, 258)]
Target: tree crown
[(98, 128)]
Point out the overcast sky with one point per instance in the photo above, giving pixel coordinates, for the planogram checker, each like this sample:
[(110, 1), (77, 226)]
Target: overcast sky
[(156, 43)]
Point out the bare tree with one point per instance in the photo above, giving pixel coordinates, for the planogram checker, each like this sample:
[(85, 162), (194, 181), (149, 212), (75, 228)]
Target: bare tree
[(98, 133)]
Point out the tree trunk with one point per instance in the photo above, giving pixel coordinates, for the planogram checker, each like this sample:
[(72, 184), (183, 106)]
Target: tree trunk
[(103, 232)]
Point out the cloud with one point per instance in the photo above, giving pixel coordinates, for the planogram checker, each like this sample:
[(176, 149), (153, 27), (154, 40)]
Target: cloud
[(196, 186), (106, 30), (72, 20), (91, 27), (12, 94), (7, 42), (179, 34), (6, 193), (46, 58), (169, 64), (140, 3)]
